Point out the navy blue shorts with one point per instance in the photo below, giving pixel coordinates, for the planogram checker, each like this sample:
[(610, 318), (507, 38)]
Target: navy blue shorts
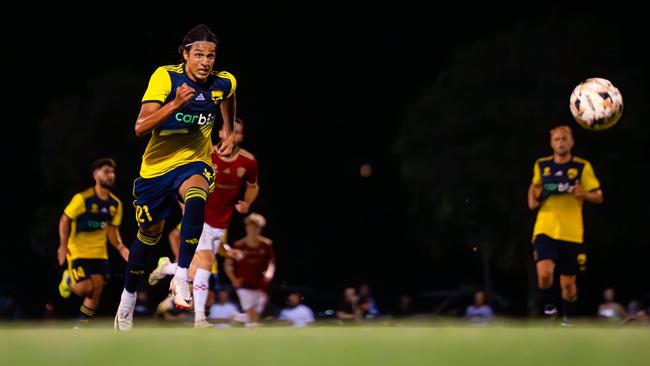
[(569, 258), (81, 269), (156, 198)]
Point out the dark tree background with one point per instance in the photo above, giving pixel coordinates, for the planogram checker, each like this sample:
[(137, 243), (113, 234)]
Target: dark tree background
[(449, 109)]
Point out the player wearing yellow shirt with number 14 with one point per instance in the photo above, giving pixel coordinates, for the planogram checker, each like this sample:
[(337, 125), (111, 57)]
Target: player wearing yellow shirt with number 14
[(561, 183), (91, 216)]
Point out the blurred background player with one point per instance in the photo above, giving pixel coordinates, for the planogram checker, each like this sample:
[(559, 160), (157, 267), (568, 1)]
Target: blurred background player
[(178, 109), (561, 182), (90, 217), (230, 174), (251, 274)]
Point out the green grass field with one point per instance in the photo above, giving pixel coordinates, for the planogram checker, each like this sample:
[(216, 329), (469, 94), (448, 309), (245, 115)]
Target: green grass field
[(424, 344)]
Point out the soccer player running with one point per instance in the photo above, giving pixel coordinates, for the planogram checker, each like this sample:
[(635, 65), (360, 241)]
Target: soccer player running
[(178, 110), (560, 184), (91, 216), (231, 172), (251, 274)]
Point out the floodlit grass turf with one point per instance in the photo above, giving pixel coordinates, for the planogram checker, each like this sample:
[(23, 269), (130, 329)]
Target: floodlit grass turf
[(412, 344)]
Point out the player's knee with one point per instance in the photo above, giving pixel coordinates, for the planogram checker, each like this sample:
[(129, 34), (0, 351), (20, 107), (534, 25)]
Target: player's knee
[(569, 290), (84, 288), (97, 289), (153, 229), (545, 279), (570, 295)]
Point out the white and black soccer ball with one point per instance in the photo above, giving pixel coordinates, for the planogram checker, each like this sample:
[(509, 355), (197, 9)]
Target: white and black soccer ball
[(596, 104)]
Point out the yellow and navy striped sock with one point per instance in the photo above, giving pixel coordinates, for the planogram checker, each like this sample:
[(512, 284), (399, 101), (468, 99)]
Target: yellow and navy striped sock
[(138, 253), (85, 313), (192, 224)]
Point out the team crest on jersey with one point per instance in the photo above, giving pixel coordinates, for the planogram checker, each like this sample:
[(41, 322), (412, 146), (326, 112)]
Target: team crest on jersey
[(582, 259), (112, 210), (572, 173), (207, 174), (94, 208), (217, 95), (547, 171), (240, 172)]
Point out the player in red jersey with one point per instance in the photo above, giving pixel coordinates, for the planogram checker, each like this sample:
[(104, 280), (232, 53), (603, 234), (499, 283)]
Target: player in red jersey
[(230, 174), (253, 271)]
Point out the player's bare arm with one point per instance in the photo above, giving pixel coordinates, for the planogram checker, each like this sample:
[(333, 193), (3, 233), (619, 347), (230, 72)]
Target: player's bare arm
[(153, 115), (270, 272), (228, 113), (229, 267), (252, 190), (534, 191), (595, 196), (115, 239), (64, 235)]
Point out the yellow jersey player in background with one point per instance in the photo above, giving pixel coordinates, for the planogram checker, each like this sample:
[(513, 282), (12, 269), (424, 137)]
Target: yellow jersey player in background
[(561, 183), (90, 217), (178, 110)]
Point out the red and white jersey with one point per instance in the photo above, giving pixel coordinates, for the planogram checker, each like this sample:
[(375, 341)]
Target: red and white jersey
[(255, 261), (229, 176)]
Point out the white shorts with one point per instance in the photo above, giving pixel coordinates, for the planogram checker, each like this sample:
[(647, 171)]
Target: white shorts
[(255, 299), (210, 238)]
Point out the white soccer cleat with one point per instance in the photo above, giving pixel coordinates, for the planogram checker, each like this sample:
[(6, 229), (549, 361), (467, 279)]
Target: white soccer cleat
[(157, 274), (180, 289), (124, 317)]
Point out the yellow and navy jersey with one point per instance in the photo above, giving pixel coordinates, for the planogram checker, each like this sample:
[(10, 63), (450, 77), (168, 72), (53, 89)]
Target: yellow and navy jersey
[(560, 213), (184, 137), (90, 217)]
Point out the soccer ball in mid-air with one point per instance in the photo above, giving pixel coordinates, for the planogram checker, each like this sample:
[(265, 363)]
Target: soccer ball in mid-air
[(596, 104)]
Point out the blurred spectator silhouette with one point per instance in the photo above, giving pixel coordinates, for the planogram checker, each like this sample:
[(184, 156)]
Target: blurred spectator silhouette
[(222, 310), (367, 302), (298, 314), (405, 306), (348, 309), (479, 312), (610, 309), (636, 313)]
